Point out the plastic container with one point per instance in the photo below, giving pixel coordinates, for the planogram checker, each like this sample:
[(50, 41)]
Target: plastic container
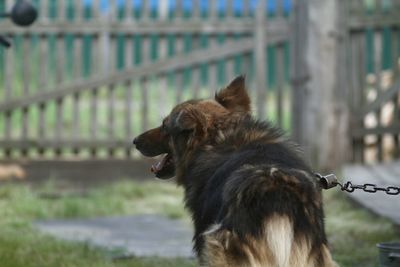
[(389, 254)]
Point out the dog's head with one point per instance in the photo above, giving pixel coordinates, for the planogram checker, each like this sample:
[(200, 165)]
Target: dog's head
[(190, 126)]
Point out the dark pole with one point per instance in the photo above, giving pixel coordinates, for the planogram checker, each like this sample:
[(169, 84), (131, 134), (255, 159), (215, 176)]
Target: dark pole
[(23, 13), (4, 42)]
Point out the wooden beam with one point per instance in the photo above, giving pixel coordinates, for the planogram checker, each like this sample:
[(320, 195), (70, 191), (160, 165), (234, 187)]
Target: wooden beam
[(322, 122), (381, 21), (298, 70), (380, 130), (84, 172), (65, 143), (154, 68), (277, 26), (384, 96), (260, 55)]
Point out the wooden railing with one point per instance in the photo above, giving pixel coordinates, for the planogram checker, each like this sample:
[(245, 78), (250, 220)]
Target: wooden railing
[(85, 85), (373, 41)]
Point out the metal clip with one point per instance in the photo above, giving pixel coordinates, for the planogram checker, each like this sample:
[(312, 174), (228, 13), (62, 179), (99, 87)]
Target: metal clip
[(327, 181)]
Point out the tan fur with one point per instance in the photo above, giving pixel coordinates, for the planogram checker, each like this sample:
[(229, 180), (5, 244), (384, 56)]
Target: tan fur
[(277, 248), (255, 135)]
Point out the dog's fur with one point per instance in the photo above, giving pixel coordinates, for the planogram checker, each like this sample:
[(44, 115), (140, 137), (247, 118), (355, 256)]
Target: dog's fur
[(253, 200)]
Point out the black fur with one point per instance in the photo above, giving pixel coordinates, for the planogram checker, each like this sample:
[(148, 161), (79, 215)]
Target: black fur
[(238, 173), (214, 180)]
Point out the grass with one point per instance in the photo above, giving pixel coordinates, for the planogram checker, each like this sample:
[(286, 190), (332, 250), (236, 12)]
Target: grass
[(21, 202), (353, 232), (21, 245)]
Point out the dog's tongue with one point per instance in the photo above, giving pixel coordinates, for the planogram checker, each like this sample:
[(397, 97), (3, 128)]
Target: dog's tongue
[(159, 165)]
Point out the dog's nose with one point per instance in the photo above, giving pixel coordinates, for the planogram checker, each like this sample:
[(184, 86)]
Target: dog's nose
[(135, 141)]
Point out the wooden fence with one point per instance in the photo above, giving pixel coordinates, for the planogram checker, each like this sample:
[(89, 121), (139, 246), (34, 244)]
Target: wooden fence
[(84, 85), (83, 81), (345, 63), (374, 90)]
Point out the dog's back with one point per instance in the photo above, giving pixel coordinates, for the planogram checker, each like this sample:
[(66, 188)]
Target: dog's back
[(272, 217), (260, 206)]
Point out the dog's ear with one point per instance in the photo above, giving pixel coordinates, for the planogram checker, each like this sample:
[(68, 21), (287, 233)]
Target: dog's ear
[(234, 97), (191, 119)]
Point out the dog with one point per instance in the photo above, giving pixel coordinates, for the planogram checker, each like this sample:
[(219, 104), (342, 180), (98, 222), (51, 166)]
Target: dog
[(253, 199)]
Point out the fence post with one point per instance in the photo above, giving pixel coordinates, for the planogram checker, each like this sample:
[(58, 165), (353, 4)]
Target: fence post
[(320, 111), (260, 59)]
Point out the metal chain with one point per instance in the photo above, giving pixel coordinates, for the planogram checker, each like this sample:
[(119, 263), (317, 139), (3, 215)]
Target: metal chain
[(330, 181)]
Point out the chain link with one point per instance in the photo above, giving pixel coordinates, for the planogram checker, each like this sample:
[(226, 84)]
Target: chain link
[(330, 181)]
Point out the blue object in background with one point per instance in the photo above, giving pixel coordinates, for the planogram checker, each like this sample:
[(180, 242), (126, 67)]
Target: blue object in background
[(188, 5)]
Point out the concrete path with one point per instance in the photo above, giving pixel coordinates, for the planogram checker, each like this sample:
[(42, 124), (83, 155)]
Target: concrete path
[(382, 175), (141, 235)]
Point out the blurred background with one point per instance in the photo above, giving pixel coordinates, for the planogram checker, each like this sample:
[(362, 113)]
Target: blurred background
[(86, 77), (77, 46)]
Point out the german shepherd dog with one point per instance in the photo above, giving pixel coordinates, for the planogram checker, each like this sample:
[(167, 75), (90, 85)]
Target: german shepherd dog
[(253, 200)]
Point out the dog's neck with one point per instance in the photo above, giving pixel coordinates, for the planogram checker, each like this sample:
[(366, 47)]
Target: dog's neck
[(232, 133)]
